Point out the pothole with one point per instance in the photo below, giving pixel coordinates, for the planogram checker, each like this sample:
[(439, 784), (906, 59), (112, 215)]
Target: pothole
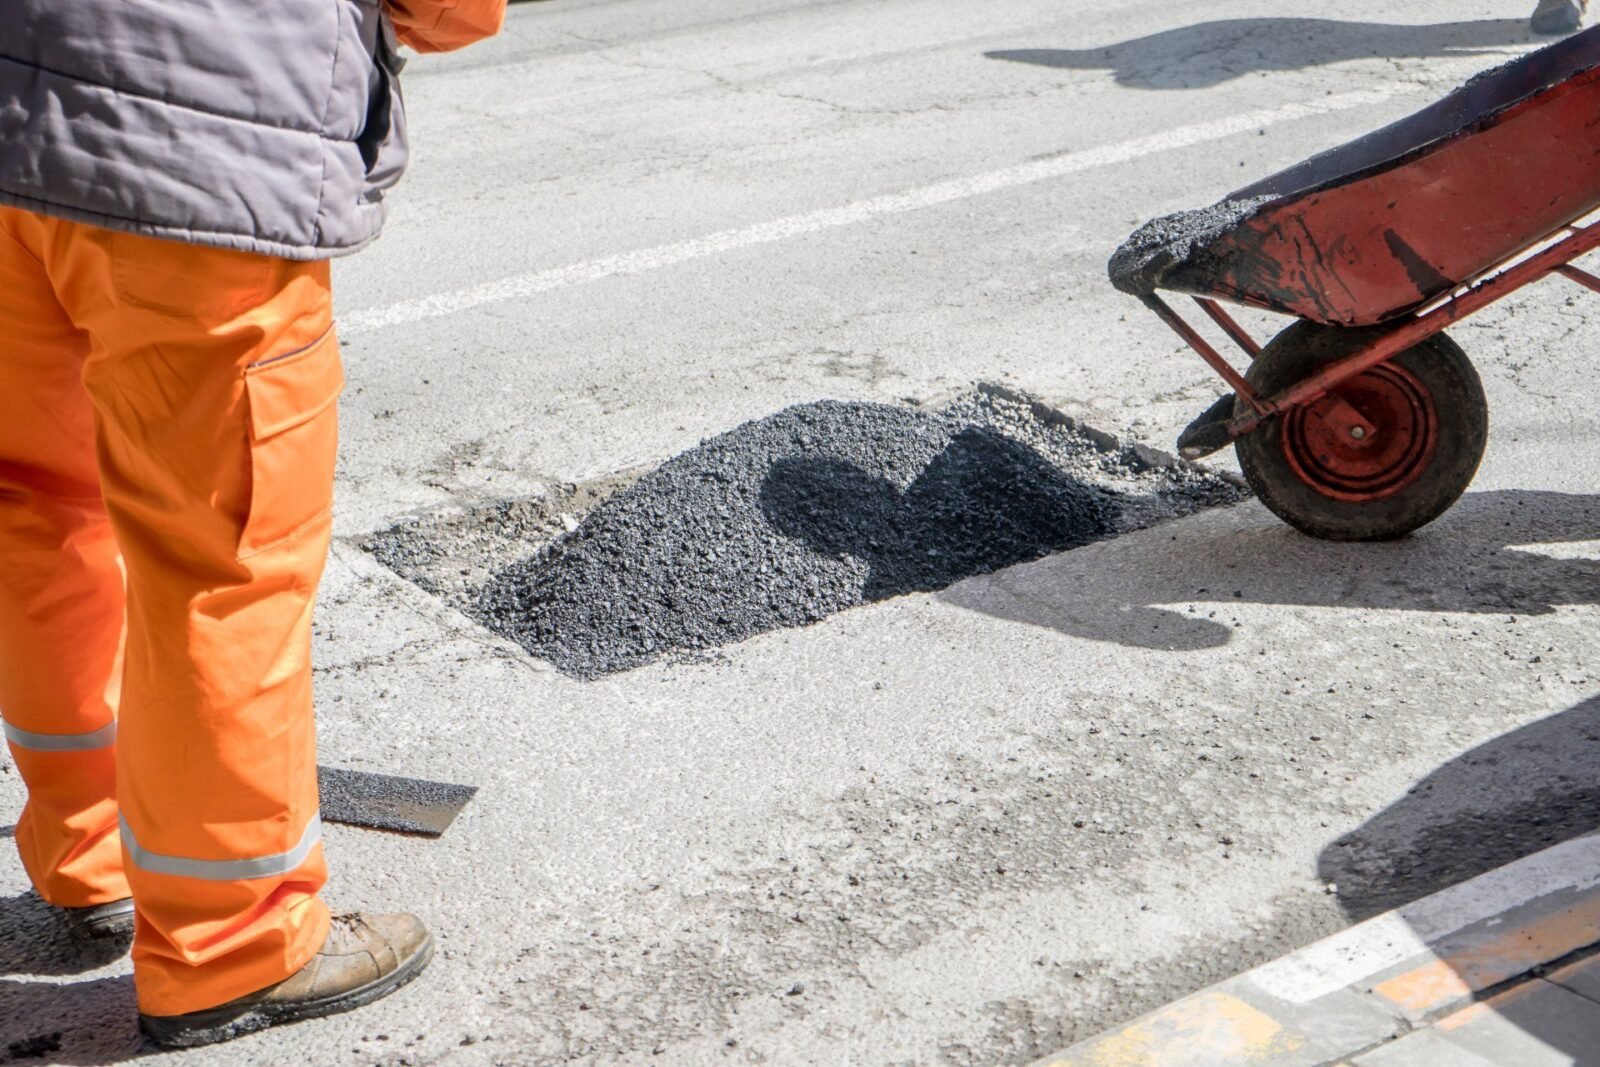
[(789, 519)]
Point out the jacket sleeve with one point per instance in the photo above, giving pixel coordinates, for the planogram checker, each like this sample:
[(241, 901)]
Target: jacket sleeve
[(444, 25)]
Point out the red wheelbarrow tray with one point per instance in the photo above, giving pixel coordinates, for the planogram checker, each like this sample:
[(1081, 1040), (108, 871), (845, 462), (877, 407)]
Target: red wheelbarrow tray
[(1385, 224)]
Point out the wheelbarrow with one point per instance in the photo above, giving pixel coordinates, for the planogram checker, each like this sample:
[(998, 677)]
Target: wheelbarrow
[(1364, 420)]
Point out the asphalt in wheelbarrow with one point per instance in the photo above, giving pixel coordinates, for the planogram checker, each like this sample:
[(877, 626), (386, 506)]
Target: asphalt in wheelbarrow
[(1180, 251)]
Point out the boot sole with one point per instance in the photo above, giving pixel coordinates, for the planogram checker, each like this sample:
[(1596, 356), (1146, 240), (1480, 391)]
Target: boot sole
[(225, 1024), (108, 922), (94, 933)]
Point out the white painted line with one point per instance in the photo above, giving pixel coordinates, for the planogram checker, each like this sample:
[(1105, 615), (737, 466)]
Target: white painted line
[(648, 259), (1392, 938)]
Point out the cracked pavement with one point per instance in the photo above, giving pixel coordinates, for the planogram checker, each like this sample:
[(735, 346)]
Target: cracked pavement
[(963, 827)]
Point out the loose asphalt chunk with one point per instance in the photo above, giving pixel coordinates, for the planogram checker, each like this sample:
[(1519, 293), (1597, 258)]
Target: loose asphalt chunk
[(791, 518), (389, 802)]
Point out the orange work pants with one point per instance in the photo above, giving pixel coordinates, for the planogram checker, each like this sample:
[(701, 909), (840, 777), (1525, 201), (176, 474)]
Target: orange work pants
[(168, 433)]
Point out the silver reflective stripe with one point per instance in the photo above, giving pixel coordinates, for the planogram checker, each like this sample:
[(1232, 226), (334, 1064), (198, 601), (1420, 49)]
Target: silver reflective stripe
[(223, 870), (62, 742)]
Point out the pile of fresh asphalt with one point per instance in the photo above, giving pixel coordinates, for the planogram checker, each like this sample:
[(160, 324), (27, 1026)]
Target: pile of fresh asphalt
[(788, 519)]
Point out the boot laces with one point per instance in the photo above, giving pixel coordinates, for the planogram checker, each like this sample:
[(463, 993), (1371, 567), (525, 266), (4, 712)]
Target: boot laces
[(347, 932)]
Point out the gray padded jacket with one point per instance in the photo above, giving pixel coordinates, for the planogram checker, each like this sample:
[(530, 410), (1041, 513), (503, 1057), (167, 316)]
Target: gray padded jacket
[(272, 126)]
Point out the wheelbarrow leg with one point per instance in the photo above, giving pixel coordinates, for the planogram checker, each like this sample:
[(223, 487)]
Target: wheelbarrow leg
[(1209, 433), (1229, 326), (1582, 277), (1203, 347)]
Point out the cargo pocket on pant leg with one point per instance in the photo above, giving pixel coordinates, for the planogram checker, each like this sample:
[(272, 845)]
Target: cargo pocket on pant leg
[(294, 442)]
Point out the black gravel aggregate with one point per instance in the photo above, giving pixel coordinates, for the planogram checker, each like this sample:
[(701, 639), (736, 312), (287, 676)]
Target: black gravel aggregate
[(788, 519)]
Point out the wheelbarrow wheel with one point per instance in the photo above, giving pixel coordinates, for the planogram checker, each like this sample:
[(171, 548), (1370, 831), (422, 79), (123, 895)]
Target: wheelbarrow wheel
[(1429, 424)]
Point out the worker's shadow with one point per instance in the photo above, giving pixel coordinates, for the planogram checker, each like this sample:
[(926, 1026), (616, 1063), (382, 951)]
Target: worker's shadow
[(1173, 587), (34, 940), (88, 1022), (92, 1020), (1194, 57), (1522, 792), (1510, 797)]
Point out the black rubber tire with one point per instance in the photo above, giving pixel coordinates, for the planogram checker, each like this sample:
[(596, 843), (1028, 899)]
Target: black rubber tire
[(1462, 415)]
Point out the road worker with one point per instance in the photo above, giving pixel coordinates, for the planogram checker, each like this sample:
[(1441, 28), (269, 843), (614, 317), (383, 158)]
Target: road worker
[(1557, 16), (174, 176)]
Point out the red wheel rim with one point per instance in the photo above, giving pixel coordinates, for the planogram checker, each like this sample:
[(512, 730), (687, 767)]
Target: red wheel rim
[(1350, 464)]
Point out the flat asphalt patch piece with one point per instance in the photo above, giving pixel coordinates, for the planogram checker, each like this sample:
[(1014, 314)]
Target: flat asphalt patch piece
[(788, 519), (390, 802)]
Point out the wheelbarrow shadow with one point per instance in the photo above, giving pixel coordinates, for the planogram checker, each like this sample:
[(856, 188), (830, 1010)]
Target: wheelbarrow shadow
[(1208, 54), (1170, 588)]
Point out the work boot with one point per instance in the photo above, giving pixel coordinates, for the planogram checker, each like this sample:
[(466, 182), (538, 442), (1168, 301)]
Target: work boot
[(101, 922), (365, 958), (1557, 16)]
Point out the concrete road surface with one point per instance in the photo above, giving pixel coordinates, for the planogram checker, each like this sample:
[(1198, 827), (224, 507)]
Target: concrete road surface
[(960, 827)]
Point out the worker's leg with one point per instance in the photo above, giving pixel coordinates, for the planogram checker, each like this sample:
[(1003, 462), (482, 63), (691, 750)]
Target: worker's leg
[(60, 591), (214, 376)]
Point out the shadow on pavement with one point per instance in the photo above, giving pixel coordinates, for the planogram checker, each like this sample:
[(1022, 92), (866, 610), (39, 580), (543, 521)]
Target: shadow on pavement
[(1163, 592), (1524, 791), (34, 940), (1195, 57), (93, 1020), (88, 1022), (1513, 796)]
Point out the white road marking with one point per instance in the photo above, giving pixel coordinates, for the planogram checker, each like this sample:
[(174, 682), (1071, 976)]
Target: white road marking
[(648, 259), (1390, 939)]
